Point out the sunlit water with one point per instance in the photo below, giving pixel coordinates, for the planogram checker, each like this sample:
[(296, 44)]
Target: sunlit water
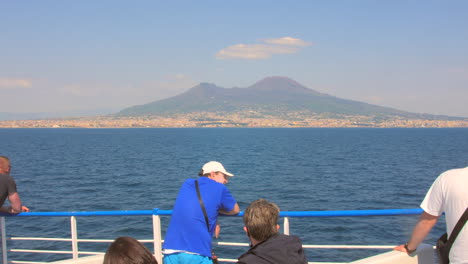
[(299, 169)]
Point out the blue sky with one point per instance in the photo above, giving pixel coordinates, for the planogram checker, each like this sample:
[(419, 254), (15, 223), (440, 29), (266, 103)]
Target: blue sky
[(60, 56)]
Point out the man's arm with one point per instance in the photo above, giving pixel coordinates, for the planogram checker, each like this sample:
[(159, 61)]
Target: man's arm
[(15, 204), (234, 211), (420, 231)]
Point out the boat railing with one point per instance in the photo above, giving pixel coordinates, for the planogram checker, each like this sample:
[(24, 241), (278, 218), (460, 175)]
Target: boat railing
[(157, 238)]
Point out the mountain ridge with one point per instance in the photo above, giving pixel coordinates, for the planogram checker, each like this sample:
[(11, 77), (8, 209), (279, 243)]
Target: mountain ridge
[(273, 96)]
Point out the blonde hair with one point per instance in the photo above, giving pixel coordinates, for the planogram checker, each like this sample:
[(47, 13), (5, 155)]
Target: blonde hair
[(261, 219)]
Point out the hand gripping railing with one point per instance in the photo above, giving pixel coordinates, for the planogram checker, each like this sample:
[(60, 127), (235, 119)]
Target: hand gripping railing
[(157, 240)]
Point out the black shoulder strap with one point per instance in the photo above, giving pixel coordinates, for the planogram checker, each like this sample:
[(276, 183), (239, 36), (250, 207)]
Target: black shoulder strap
[(458, 227), (202, 205)]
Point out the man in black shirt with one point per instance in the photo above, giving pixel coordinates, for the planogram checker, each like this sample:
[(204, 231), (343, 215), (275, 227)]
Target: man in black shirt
[(8, 189)]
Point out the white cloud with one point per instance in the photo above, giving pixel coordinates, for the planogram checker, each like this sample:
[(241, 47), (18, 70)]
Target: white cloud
[(285, 45), (253, 51), (288, 41), (6, 83)]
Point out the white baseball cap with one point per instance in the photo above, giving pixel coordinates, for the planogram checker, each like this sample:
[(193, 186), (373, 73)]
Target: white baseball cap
[(214, 166)]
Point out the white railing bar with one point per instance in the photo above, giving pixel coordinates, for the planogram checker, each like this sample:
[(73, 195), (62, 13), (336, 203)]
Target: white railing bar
[(74, 237), (25, 262), (145, 240), (91, 253), (95, 240), (4, 245), (40, 251), (40, 238), (69, 239), (110, 240), (231, 244), (314, 246), (223, 244), (215, 243), (235, 260), (350, 246), (227, 260)]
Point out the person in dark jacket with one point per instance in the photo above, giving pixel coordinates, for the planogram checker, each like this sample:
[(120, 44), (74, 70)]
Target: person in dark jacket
[(267, 244)]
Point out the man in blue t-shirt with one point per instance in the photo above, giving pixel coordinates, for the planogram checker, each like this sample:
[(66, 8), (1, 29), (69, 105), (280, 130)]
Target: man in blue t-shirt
[(188, 239)]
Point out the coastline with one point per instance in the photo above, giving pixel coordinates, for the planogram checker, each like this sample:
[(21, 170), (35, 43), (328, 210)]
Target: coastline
[(232, 121)]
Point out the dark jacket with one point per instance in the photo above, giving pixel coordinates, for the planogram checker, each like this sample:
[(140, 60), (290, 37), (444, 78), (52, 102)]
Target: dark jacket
[(278, 249)]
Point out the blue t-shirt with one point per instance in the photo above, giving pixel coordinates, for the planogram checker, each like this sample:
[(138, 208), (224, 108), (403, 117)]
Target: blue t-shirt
[(187, 229)]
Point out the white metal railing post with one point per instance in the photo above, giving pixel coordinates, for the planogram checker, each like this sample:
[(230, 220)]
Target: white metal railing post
[(74, 236), (4, 245), (286, 226), (157, 237)]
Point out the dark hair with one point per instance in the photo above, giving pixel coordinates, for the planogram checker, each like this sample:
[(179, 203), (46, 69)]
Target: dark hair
[(127, 250)]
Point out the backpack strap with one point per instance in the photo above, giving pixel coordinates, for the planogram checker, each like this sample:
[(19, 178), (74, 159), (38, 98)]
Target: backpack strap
[(202, 205), (458, 227)]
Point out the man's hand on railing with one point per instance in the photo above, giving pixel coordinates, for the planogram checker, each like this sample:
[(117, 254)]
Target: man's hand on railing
[(404, 248), (217, 230)]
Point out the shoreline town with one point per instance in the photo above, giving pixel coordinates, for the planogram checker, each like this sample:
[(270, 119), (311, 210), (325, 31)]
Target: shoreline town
[(234, 120)]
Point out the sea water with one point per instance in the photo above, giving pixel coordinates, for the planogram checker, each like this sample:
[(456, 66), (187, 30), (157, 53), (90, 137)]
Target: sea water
[(300, 169)]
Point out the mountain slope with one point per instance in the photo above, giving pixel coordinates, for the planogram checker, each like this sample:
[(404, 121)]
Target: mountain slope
[(270, 96)]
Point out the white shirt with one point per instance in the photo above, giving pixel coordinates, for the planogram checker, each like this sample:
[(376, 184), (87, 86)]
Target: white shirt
[(449, 194)]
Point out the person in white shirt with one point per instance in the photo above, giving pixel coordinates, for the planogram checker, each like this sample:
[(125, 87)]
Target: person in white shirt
[(449, 194)]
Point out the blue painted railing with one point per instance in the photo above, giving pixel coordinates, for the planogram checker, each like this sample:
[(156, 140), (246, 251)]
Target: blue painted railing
[(157, 211), (379, 212), (87, 213)]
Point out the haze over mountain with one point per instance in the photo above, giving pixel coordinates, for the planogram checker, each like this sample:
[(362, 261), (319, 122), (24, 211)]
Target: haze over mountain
[(49, 115), (270, 96)]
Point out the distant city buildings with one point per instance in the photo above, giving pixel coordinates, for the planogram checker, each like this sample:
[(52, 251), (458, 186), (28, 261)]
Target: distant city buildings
[(240, 119)]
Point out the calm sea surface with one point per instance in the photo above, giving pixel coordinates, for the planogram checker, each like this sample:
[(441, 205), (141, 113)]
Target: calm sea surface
[(299, 169)]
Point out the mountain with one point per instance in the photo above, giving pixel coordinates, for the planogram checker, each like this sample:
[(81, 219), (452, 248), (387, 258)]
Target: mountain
[(270, 96)]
